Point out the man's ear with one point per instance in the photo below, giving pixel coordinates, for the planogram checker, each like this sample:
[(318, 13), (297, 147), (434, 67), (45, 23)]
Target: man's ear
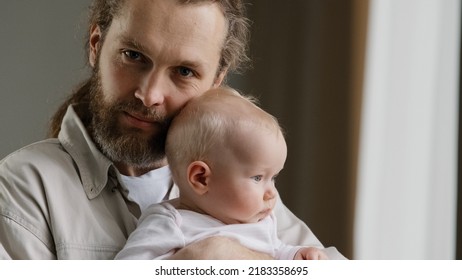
[(198, 177), (94, 44), (220, 77)]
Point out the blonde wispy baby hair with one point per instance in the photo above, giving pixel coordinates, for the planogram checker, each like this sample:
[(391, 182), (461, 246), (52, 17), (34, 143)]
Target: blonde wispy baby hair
[(207, 123)]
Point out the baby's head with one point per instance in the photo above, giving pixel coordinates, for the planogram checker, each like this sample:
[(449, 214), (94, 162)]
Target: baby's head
[(224, 153)]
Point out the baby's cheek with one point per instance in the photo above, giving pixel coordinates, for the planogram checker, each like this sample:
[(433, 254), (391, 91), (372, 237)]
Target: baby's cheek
[(252, 205)]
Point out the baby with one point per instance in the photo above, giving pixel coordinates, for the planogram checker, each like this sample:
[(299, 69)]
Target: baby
[(225, 154)]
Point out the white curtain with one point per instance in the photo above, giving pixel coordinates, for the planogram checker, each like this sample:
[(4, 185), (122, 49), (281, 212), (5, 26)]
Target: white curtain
[(407, 194)]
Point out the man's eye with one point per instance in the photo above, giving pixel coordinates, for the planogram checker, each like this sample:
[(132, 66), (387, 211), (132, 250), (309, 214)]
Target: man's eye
[(132, 55), (185, 72), (257, 178)]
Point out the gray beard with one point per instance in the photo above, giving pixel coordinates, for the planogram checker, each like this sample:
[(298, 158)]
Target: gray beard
[(127, 146)]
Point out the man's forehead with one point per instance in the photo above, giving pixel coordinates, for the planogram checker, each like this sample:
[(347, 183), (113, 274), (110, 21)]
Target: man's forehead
[(166, 10), (182, 24), (191, 34)]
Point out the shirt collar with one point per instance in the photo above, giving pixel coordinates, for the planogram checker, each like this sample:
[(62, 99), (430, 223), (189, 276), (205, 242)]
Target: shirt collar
[(92, 165)]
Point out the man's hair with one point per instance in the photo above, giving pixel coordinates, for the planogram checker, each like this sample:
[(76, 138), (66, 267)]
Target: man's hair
[(233, 54), (209, 123)]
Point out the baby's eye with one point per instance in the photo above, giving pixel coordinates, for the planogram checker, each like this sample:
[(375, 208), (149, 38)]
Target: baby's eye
[(257, 178)]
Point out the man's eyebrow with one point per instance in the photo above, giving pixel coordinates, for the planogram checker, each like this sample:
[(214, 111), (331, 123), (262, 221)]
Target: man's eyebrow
[(190, 64), (132, 43)]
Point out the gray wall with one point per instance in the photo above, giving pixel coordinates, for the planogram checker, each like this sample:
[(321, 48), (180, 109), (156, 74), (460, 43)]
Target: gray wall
[(41, 60)]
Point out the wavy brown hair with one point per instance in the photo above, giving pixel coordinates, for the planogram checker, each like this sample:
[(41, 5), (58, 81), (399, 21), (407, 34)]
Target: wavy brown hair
[(102, 12)]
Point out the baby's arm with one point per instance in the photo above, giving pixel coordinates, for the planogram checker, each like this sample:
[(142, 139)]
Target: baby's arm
[(310, 253), (157, 235)]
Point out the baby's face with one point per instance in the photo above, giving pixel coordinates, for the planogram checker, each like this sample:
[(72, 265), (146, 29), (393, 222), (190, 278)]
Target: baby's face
[(242, 184)]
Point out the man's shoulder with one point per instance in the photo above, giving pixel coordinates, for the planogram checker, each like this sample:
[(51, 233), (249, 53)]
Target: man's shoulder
[(46, 159), (26, 174), (41, 152)]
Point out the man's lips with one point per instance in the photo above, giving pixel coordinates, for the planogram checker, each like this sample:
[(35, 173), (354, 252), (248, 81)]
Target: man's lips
[(140, 121)]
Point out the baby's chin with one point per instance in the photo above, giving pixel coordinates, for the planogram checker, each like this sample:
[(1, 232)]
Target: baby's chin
[(248, 220), (262, 215), (258, 217)]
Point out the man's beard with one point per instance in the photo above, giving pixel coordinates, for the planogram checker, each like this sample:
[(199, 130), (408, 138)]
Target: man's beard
[(125, 145)]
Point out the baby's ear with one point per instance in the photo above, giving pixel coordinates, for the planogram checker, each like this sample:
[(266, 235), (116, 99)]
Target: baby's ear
[(198, 177)]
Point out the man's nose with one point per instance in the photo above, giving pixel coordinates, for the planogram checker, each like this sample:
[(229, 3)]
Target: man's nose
[(152, 89)]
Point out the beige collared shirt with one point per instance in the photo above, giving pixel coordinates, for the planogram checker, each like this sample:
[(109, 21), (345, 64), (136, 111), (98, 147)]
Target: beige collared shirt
[(63, 199)]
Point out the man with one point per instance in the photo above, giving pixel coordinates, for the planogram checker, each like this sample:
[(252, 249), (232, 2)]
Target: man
[(78, 196)]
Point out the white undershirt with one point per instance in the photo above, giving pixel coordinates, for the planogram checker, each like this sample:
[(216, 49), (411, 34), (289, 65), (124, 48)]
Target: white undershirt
[(148, 188)]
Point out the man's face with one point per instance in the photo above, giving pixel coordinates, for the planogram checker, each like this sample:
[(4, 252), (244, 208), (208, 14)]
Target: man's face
[(155, 56)]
